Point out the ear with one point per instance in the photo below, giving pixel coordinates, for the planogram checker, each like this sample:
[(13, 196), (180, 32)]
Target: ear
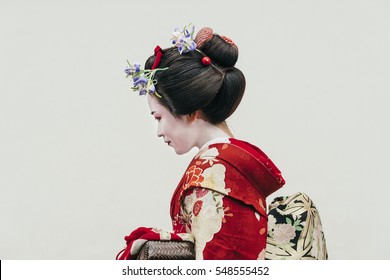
[(195, 116)]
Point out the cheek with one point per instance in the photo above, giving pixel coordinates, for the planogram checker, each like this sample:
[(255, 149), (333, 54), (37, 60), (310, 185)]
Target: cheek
[(169, 126), (165, 128), (183, 136)]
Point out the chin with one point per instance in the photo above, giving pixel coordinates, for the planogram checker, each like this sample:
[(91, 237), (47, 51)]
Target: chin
[(181, 151)]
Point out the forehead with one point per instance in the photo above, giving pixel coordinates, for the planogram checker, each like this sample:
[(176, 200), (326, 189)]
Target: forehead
[(152, 102), (155, 105)]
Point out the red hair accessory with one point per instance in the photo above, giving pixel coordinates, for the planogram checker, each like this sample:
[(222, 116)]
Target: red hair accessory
[(206, 60), (158, 53), (228, 40), (205, 34)]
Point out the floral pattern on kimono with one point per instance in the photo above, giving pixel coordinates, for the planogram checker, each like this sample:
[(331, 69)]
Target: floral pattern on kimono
[(295, 230), (220, 200)]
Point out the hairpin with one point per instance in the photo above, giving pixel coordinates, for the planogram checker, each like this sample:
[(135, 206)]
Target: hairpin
[(143, 80), (183, 39)]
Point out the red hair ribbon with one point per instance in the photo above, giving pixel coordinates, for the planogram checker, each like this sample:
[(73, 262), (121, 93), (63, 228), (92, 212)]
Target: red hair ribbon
[(158, 53)]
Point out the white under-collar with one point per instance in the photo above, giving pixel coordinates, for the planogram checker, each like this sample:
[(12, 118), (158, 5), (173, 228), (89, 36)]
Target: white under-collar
[(215, 141)]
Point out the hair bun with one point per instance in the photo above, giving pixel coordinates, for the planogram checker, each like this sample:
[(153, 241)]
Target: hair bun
[(221, 49)]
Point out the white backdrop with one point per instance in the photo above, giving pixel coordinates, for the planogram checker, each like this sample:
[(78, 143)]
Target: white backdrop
[(80, 163)]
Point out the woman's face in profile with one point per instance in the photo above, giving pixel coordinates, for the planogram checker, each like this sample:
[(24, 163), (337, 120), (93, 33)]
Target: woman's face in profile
[(175, 130)]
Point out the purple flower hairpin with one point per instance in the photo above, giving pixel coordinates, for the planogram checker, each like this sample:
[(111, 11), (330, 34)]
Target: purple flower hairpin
[(143, 80), (183, 39)]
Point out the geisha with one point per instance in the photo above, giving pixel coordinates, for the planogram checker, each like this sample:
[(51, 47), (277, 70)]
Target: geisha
[(220, 202)]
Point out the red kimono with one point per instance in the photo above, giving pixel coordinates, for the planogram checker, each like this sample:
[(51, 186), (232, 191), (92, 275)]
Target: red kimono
[(220, 202)]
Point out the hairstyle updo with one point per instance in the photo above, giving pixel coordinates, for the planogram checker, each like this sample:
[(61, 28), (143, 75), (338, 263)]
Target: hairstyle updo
[(188, 85)]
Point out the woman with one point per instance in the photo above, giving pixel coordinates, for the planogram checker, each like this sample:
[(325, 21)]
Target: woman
[(220, 202)]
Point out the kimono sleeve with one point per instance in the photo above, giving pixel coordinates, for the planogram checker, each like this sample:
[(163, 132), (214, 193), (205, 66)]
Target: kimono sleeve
[(223, 227)]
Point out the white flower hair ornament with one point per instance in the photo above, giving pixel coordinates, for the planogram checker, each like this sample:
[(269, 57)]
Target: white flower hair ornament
[(183, 39)]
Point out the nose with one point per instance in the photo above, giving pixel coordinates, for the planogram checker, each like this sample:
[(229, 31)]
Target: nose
[(159, 132)]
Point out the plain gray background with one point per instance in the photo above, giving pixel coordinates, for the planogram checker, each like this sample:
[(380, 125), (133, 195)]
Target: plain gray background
[(80, 163)]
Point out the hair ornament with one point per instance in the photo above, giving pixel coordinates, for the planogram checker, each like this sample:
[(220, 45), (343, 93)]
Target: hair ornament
[(205, 34), (158, 53), (206, 61), (143, 80), (183, 39), (228, 40)]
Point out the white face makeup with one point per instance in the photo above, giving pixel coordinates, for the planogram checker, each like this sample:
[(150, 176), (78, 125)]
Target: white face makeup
[(175, 130)]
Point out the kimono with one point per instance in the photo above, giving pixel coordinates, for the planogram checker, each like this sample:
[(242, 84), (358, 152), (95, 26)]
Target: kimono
[(220, 202)]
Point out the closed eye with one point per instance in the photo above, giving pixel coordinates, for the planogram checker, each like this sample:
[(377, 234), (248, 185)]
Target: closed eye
[(155, 117)]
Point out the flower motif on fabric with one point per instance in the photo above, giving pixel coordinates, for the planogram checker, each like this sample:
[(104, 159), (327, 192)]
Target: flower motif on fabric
[(209, 156), (271, 223), (206, 216), (262, 230), (185, 219), (197, 207), (176, 221), (214, 178), (226, 214), (200, 192), (296, 212), (183, 39), (283, 233), (261, 203), (221, 141), (194, 177)]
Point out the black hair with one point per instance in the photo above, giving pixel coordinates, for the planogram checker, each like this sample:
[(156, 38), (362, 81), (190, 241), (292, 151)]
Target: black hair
[(188, 85)]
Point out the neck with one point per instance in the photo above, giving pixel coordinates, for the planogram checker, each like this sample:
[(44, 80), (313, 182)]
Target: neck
[(207, 132), (224, 127)]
